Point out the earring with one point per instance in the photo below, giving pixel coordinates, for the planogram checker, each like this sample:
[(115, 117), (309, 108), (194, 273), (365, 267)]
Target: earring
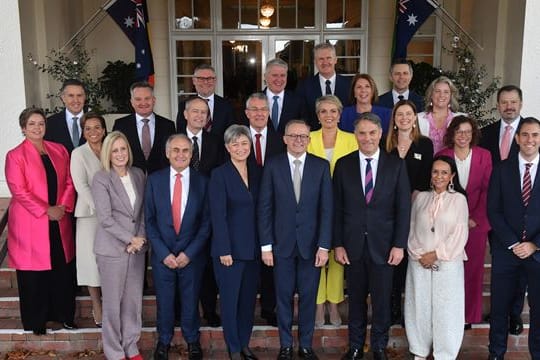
[(413, 126), (395, 127), (451, 187)]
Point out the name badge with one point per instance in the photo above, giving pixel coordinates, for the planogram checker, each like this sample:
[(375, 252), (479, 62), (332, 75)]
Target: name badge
[(418, 156)]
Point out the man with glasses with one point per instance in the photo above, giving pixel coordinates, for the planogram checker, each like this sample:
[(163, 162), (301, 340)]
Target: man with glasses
[(221, 114), (295, 228)]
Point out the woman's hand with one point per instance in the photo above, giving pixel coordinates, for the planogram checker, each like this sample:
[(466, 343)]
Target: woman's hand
[(428, 259), (137, 242), (56, 213), (472, 223)]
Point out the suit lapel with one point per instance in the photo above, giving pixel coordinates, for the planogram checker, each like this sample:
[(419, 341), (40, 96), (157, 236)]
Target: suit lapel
[(286, 173), (120, 190), (133, 134), (139, 190), (356, 174)]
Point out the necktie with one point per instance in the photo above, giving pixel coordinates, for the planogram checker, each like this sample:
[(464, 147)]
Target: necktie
[(146, 142), (208, 126), (258, 150), (506, 141), (526, 193), (75, 136), (368, 189), (328, 88), (297, 179), (275, 112), (177, 203), (400, 97), (195, 158)]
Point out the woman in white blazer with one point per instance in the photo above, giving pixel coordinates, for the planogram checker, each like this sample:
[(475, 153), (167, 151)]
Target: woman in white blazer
[(84, 164)]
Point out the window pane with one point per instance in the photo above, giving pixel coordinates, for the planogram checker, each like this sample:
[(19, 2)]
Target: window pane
[(306, 14), (421, 49), (353, 13), (193, 49), (188, 17), (184, 84), (343, 14), (299, 55), (349, 55), (190, 54), (229, 11), (287, 14)]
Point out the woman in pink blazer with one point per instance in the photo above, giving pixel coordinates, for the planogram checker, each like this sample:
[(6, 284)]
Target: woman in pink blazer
[(40, 232), (474, 169)]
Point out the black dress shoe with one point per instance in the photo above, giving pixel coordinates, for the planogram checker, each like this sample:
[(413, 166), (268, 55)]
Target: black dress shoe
[(353, 354), (162, 352), (195, 351), (39, 331), (515, 326), (285, 353), (467, 326), (212, 319), (270, 318), (247, 354), (379, 355), (69, 326), (307, 353)]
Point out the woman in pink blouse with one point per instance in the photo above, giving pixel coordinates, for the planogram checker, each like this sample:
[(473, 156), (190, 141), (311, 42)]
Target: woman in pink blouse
[(442, 106), (434, 289)]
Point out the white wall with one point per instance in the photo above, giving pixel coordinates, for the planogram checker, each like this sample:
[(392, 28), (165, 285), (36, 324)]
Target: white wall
[(12, 93), (530, 76)]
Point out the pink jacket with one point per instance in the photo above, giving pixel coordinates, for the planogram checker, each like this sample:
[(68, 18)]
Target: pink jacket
[(28, 226)]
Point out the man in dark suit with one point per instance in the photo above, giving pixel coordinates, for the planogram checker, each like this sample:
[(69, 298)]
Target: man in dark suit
[(295, 229), (178, 234), (221, 111), (145, 130), (401, 74), (266, 143), (208, 152), (499, 139), (65, 127), (325, 82), (372, 212), (514, 214)]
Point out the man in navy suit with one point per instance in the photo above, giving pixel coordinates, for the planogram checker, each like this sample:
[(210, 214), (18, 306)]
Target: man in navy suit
[(266, 143), (65, 127), (207, 154), (325, 82), (145, 130), (372, 204), (177, 252), (221, 111), (509, 104), (295, 228), (401, 74), (514, 214)]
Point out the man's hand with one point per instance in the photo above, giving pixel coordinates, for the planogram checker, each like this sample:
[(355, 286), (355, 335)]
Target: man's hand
[(395, 257), (321, 258), (267, 258), (56, 213), (170, 262), (226, 260), (524, 249), (182, 260), (340, 254)]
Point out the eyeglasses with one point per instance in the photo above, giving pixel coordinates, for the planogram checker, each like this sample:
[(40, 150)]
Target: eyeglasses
[(256, 109), (300, 137), (464, 132), (209, 79)]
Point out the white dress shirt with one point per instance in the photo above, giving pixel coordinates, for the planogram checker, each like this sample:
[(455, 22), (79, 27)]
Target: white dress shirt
[(514, 124), (532, 169), (69, 122), (322, 82), (270, 96), (185, 187), (190, 135), (395, 95), (374, 163), (262, 140)]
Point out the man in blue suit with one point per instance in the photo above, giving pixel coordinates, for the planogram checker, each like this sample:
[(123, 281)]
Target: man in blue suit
[(514, 214), (325, 82), (401, 74), (295, 228), (178, 235), (372, 213)]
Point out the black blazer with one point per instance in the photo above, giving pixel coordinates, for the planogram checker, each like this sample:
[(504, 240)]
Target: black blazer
[(56, 130), (274, 146), (418, 161), (310, 90), (506, 212), (384, 222), (223, 117), (387, 100), (212, 153), (157, 159), (490, 141)]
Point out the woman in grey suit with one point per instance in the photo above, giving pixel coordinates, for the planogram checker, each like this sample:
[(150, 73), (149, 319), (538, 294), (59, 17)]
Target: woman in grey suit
[(119, 246), (84, 164)]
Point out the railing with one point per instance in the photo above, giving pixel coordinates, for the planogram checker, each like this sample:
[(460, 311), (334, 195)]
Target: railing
[(3, 224)]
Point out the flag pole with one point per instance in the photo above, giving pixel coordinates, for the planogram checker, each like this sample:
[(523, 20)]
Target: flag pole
[(87, 23), (438, 6)]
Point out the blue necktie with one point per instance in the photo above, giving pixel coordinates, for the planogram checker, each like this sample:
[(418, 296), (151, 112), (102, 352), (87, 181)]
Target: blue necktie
[(275, 112), (328, 88), (368, 189)]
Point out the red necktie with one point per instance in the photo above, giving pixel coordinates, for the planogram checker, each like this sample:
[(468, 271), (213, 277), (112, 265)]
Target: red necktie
[(208, 126), (258, 150), (526, 193), (177, 203)]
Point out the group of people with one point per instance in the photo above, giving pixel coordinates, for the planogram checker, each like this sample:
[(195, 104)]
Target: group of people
[(294, 197)]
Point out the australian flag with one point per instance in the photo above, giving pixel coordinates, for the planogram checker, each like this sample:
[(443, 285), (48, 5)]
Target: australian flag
[(132, 17), (410, 15)]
